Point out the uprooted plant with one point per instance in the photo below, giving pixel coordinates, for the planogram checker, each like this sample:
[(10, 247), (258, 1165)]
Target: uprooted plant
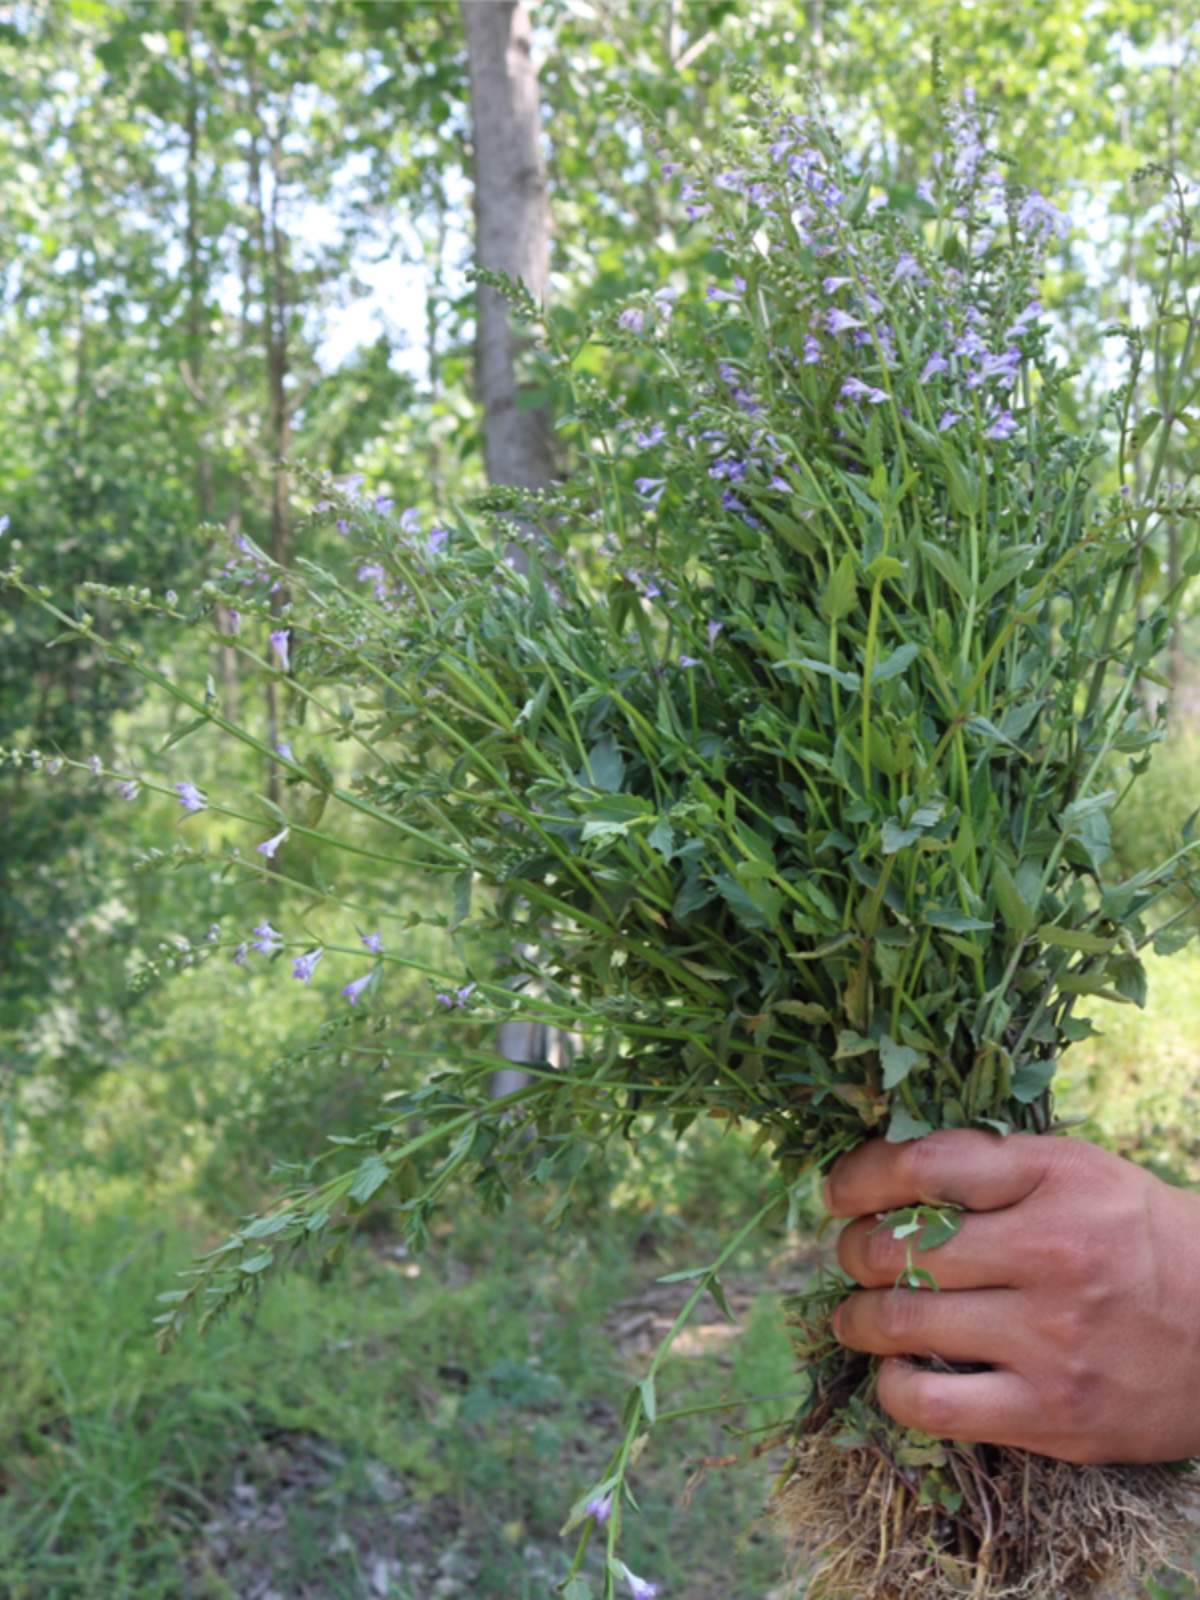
[(787, 754)]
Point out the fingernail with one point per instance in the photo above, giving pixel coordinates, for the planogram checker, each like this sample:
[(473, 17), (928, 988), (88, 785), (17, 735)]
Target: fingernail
[(835, 1324)]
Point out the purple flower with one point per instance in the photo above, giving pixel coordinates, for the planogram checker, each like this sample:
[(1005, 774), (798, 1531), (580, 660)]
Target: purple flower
[(304, 966), (671, 169), (838, 321), (438, 540), (907, 266), (3, 525), (267, 939), (925, 192), (812, 349), (689, 661), (948, 419), (714, 629), (936, 363), (1002, 366), (640, 1588), (374, 943), (235, 623), (354, 481), (190, 797), (650, 489), (129, 789), (54, 766), (1003, 427), (600, 1506), (1020, 324), (713, 293), (1038, 216), (239, 955), (213, 934), (353, 990), (856, 389), (383, 504), (279, 643), (284, 750), (170, 597), (410, 520), (832, 285), (632, 319), (269, 847), (342, 526), (649, 437), (95, 766), (458, 1000)]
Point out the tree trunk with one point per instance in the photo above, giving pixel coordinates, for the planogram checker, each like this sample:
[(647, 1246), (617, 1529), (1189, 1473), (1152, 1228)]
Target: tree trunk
[(512, 232), (512, 235)]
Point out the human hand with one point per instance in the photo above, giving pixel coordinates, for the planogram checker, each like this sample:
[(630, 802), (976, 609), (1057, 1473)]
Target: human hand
[(1075, 1279)]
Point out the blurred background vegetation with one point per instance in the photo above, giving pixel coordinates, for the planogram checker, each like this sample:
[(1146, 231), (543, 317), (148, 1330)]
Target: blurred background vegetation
[(235, 234)]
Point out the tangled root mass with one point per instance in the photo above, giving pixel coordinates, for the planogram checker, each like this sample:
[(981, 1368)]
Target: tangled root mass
[(976, 1523)]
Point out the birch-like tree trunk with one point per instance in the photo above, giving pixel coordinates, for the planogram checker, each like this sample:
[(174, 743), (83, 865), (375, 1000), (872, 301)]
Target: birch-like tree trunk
[(512, 231), (512, 235)]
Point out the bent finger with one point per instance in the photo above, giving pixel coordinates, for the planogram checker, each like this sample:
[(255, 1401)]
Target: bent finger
[(984, 1254), (973, 1327), (965, 1166), (976, 1407)]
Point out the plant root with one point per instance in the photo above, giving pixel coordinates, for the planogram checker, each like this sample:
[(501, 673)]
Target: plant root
[(973, 1522)]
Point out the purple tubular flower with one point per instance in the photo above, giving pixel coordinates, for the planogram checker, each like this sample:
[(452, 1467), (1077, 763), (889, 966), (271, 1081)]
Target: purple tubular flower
[(213, 934), (1003, 427), (1001, 366), (130, 789), (671, 169), (925, 192), (650, 489), (284, 750), (353, 990), (1038, 216), (600, 1507), (190, 797), (269, 847), (812, 349), (304, 966), (95, 766), (239, 955), (632, 319), (342, 526), (838, 321), (832, 285), (640, 1588), (438, 540), (383, 504), (689, 661), (374, 943), (235, 623), (713, 293), (279, 643), (856, 389), (948, 419), (266, 939), (936, 363), (649, 437), (410, 520), (714, 628), (907, 267), (3, 525)]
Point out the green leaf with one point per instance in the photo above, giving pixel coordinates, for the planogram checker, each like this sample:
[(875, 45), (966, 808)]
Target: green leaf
[(840, 595), (848, 680), (950, 567), (1018, 914), (369, 1178), (1031, 1080), (578, 1589), (661, 837), (1092, 944), (649, 1399), (904, 1126), (853, 1044), (954, 921), (897, 1060), (895, 664), (255, 1264), (883, 568), (606, 765), (1147, 426)]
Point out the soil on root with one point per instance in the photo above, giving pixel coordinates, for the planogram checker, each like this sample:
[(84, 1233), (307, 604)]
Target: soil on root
[(976, 1522)]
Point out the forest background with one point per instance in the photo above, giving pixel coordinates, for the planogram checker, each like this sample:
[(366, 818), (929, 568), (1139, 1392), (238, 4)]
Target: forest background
[(235, 239)]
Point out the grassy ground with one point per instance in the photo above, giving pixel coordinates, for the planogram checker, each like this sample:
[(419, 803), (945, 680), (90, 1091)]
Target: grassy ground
[(408, 1429)]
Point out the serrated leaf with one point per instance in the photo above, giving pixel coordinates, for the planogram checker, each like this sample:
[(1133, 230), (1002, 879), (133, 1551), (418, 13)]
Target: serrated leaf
[(897, 1061), (840, 595), (904, 1126)]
